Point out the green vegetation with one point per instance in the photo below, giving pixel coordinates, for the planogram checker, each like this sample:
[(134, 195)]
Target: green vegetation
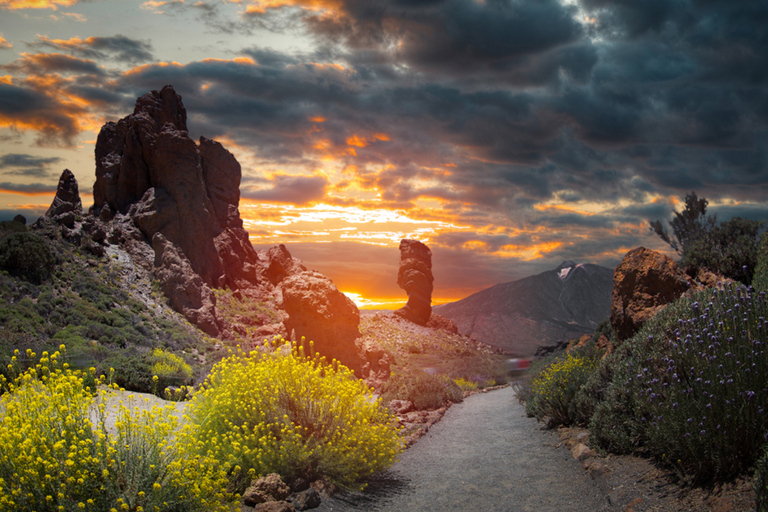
[(26, 255), (292, 414), (729, 248), (244, 314), (760, 281), (83, 304), (59, 455), (424, 390)]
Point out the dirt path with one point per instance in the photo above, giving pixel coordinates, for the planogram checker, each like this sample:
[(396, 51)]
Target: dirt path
[(484, 455)]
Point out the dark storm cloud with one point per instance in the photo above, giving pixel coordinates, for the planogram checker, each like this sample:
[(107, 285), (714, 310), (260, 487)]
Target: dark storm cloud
[(31, 109), (43, 63), (28, 188), (26, 165), (117, 47)]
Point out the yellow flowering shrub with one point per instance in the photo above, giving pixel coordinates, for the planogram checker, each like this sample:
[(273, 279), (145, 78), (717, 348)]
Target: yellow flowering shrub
[(552, 392), (59, 454), (287, 413)]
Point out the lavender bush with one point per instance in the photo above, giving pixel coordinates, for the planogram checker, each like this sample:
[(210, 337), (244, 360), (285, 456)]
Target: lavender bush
[(692, 388)]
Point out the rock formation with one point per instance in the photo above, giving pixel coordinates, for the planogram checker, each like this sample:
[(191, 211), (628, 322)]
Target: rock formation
[(149, 169), (415, 277), (173, 206), (318, 311), (643, 283), (66, 205)]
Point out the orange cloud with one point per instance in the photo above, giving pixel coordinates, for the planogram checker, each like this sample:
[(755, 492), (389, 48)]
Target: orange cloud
[(4, 43), (261, 6), (143, 67), (35, 4), (238, 60), (316, 119), (362, 141)]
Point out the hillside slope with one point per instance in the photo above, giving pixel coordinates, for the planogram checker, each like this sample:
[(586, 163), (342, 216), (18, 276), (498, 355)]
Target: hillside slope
[(539, 310)]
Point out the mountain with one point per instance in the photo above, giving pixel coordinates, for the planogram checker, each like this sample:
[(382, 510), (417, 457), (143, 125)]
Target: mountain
[(539, 310)]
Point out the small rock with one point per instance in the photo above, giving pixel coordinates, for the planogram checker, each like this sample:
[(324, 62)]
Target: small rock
[(271, 485), (306, 500), (582, 451), (300, 484), (274, 506), (252, 497), (401, 406)]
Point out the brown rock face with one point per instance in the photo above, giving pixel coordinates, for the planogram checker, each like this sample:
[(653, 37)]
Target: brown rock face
[(643, 282), (67, 204), (318, 311), (415, 277), (149, 169)]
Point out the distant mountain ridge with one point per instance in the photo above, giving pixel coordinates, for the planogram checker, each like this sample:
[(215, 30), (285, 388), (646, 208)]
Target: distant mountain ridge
[(536, 311)]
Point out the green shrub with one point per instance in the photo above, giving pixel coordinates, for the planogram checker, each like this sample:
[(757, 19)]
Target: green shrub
[(170, 370), (58, 457), (760, 482), (690, 386), (553, 392), (27, 255), (729, 248), (760, 281), (294, 415), (424, 390)]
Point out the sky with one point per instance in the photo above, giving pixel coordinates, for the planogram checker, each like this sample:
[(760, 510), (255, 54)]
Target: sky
[(507, 135)]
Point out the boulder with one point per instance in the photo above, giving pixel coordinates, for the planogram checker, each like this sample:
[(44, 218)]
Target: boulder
[(270, 506), (415, 277), (306, 500), (643, 283), (66, 205), (271, 486), (376, 363), (319, 312)]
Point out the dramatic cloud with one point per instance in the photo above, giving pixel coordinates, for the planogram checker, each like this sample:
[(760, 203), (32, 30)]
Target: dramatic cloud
[(513, 134), (4, 44), (118, 47), (28, 189), (26, 165), (35, 4)]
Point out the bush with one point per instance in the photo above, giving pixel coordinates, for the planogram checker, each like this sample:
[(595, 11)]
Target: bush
[(27, 255), (691, 388), (729, 248), (760, 482), (552, 393), (760, 281), (57, 458), (294, 415), (170, 370), (424, 390)]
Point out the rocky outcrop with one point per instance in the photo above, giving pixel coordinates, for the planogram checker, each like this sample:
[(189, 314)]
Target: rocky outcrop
[(21, 219), (643, 283), (415, 277), (66, 205), (319, 312), (148, 169)]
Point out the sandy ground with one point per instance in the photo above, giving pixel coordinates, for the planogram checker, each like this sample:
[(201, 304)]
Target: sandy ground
[(135, 401)]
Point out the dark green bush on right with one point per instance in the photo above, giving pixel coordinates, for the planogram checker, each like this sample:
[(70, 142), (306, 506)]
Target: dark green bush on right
[(424, 390), (27, 255), (760, 281)]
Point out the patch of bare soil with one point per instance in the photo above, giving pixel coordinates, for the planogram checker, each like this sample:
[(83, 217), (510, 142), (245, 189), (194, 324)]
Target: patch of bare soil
[(635, 484)]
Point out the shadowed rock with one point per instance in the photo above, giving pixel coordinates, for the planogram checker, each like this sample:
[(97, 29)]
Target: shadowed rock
[(415, 277), (67, 204), (318, 311)]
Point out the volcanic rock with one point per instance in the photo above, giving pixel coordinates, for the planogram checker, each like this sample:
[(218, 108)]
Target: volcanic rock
[(415, 277), (319, 312), (643, 283), (271, 486), (306, 500), (440, 322), (67, 204)]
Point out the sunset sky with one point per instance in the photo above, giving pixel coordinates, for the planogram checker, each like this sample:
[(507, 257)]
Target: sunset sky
[(506, 135)]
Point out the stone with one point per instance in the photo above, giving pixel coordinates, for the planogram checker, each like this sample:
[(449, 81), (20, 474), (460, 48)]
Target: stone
[(185, 289), (280, 264), (274, 506), (307, 499), (582, 451), (66, 205), (401, 406), (319, 312), (270, 485), (376, 363), (643, 283), (20, 219), (440, 322), (415, 277)]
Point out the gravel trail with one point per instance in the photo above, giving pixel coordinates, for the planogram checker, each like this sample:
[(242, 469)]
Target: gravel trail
[(484, 455)]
